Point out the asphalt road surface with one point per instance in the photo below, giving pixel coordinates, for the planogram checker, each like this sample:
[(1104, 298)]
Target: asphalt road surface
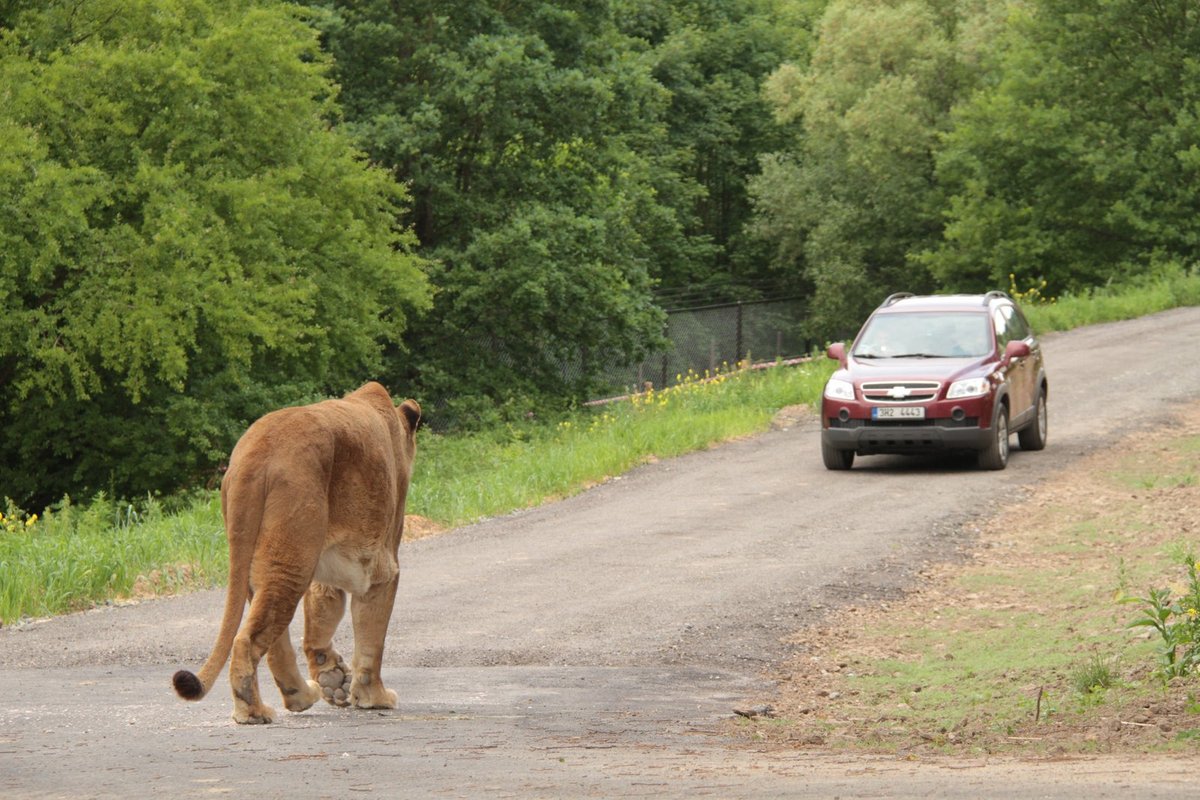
[(595, 647)]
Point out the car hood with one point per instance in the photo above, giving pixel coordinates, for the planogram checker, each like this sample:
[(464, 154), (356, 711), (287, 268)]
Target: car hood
[(929, 369)]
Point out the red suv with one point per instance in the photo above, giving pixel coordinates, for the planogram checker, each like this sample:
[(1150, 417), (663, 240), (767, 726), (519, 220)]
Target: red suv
[(940, 373)]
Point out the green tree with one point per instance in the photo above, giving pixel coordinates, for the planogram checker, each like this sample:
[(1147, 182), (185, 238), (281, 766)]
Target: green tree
[(712, 56), (185, 240), (1083, 162), (849, 203), (530, 135)]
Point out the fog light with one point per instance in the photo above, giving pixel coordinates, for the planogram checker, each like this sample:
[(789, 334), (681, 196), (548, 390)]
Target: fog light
[(844, 415), (958, 415)]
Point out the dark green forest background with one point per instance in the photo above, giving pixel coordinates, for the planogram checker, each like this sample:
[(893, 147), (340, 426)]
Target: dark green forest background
[(211, 208)]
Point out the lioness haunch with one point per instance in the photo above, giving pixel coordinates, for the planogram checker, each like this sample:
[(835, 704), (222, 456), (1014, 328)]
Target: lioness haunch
[(313, 503)]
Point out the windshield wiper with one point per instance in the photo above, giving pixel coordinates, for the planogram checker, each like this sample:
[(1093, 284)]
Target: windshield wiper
[(900, 355)]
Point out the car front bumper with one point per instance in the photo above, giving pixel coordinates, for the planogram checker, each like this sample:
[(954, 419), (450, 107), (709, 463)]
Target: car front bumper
[(906, 438)]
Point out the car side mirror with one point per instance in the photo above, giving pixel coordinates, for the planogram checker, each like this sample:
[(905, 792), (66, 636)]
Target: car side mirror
[(837, 351), (1016, 349)]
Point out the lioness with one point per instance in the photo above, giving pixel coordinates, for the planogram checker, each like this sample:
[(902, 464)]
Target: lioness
[(313, 503)]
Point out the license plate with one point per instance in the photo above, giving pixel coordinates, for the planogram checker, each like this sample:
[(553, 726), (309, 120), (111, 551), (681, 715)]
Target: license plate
[(898, 412)]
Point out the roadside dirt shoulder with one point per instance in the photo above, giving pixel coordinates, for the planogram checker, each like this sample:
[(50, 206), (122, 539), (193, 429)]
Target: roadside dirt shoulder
[(939, 671)]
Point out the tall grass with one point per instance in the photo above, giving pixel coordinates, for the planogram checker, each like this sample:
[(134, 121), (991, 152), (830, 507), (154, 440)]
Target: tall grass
[(1169, 287), (464, 478), (73, 556)]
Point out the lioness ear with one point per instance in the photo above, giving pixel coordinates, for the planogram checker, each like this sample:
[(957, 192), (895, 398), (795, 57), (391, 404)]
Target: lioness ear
[(412, 412)]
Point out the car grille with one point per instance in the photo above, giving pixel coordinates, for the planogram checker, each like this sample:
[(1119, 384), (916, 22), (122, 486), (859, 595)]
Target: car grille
[(911, 391)]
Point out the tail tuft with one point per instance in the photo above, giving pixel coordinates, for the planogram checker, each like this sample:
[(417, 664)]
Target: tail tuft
[(187, 685)]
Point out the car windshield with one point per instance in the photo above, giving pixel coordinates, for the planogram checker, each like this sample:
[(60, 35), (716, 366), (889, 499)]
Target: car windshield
[(925, 334)]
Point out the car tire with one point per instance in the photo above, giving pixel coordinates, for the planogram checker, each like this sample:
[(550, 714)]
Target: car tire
[(995, 456), (836, 459), (1033, 437)]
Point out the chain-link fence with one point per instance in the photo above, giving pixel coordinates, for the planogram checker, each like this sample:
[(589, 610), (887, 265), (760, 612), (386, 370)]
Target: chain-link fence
[(715, 337)]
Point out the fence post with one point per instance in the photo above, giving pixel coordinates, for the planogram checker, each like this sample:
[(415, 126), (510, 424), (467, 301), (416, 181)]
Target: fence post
[(737, 351)]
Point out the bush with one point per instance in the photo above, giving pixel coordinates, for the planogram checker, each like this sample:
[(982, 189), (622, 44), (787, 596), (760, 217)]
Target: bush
[(1175, 617)]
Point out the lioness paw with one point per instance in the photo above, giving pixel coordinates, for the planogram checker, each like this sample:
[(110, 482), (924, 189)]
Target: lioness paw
[(302, 699), (335, 684), (386, 698), (261, 715)]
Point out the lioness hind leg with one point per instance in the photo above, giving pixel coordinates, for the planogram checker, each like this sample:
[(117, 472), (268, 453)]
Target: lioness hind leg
[(248, 707), (298, 694), (371, 612), (323, 609), (271, 611)]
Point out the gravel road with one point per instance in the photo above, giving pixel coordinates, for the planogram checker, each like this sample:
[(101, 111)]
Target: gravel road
[(595, 647)]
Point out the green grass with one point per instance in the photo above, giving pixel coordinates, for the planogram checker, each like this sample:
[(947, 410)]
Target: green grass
[(78, 555), (951, 676), (75, 556), (1170, 288), (1148, 473), (463, 478), (1095, 675), (981, 671)]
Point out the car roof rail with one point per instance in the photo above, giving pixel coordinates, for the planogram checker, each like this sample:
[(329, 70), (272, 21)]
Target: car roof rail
[(892, 298), (995, 294)]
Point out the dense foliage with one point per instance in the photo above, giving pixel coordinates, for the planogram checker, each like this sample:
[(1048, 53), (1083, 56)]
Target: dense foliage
[(563, 157), (211, 208), (856, 194), (520, 128), (185, 239), (1081, 163)]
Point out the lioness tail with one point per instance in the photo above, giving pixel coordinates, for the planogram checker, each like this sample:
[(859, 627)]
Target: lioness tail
[(187, 685), (242, 521)]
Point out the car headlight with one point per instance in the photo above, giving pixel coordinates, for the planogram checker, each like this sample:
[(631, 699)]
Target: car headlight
[(971, 387), (839, 389)]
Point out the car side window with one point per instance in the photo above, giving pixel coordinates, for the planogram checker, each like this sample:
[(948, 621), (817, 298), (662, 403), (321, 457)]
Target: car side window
[(1015, 325)]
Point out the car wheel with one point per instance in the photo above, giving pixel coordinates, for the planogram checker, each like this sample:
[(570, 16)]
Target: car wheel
[(996, 454), (836, 459), (1034, 436)]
